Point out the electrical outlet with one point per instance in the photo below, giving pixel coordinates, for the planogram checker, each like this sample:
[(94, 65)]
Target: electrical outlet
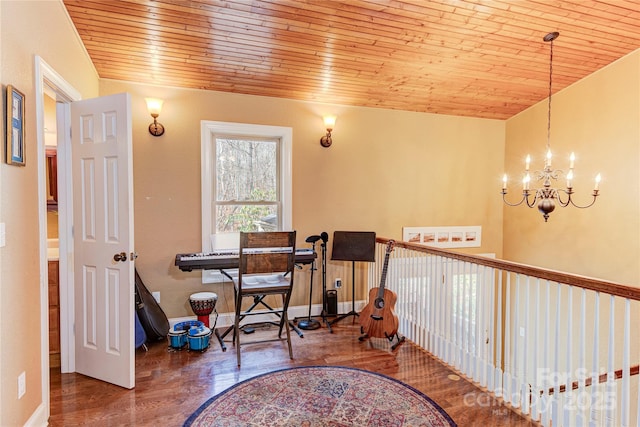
[(521, 331), (22, 384), (156, 296), (338, 283)]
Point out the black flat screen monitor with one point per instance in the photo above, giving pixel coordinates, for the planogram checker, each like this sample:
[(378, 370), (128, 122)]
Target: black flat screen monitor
[(354, 246)]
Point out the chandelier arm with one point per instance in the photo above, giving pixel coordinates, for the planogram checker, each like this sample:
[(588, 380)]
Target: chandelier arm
[(595, 195), (533, 202), (562, 203), (504, 199), (570, 201)]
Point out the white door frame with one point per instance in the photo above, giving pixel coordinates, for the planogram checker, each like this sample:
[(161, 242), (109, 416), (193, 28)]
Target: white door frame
[(47, 79)]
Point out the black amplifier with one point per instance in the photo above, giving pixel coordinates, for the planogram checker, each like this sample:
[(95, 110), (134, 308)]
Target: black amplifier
[(332, 302)]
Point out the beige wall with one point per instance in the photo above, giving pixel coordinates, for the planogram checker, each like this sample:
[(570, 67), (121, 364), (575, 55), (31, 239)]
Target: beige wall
[(385, 170), (28, 29), (599, 119)]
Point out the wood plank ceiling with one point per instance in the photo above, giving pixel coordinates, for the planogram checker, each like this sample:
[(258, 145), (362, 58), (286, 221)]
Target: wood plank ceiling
[(479, 58)]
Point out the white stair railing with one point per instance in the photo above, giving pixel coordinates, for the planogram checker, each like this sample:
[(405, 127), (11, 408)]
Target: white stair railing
[(541, 341)]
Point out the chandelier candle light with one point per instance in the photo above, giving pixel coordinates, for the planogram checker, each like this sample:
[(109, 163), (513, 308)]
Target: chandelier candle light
[(547, 196)]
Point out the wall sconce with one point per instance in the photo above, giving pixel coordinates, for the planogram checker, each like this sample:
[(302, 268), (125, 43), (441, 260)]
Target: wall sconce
[(329, 123), (154, 105)]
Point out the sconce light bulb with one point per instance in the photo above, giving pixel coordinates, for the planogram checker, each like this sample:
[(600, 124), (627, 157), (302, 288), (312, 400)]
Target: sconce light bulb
[(154, 105), (329, 122)]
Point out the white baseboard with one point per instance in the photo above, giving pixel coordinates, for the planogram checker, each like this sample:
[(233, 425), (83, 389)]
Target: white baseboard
[(38, 418), (299, 311)]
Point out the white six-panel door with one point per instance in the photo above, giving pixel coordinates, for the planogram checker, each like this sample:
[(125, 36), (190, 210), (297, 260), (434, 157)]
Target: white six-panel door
[(103, 238)]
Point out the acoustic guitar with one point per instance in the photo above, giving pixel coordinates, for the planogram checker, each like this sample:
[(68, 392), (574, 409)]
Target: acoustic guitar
[(377, 318)]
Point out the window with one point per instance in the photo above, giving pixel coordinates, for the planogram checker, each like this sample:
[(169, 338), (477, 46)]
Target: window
[(246, 183)]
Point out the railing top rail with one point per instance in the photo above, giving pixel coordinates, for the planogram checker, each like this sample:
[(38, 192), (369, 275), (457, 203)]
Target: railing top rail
[(590, 283)]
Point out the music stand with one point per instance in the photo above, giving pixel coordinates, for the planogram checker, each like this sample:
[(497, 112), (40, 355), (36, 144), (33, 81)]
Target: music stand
[(353, 246)]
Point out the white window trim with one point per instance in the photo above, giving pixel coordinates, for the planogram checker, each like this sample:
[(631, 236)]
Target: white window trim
[(208, 131)]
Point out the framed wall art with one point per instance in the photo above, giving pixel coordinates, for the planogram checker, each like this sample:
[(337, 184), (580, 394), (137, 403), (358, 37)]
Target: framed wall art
[(15, 127), (444, 237)]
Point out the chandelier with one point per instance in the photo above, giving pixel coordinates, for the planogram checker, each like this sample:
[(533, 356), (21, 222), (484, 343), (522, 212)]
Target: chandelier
[(547, 197)]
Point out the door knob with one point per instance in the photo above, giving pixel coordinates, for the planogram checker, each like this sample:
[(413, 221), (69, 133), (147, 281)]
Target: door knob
[(133, 255), (122, 256)]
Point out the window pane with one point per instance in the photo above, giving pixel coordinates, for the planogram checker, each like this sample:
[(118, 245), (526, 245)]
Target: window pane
[(246, 170), (235, 218)]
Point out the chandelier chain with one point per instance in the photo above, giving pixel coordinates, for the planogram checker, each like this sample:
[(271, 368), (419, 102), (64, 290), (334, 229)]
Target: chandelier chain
[(549, 108)]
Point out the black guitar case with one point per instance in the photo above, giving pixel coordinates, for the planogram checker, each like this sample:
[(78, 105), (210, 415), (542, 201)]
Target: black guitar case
[(152, 318)]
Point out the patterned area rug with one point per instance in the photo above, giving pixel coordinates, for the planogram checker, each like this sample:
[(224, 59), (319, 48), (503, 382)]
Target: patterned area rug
[(320, 396)]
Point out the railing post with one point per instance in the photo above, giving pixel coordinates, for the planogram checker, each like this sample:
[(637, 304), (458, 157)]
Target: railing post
[(507, 344), (556, 398), (516, 380), (595, 365), (491, 348), (498, 345), (525, 385), (545, 383), (626, 365), (611, 385), (481, 322), (536, 389), (569, 372)]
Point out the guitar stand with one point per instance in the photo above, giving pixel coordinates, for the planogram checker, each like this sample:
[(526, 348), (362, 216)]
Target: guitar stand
[(400, 339)]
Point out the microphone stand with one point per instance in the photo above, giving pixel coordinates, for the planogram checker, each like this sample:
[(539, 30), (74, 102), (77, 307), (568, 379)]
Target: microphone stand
[(309, 323), (325, 238)]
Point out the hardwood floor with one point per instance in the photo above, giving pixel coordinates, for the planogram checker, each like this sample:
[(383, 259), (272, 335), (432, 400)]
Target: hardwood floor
[(170, 385)]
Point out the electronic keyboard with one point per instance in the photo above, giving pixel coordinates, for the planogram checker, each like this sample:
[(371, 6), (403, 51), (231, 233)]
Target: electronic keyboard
[(227, 259)]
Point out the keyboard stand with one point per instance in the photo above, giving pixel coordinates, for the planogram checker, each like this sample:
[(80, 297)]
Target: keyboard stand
[(258, 300)]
